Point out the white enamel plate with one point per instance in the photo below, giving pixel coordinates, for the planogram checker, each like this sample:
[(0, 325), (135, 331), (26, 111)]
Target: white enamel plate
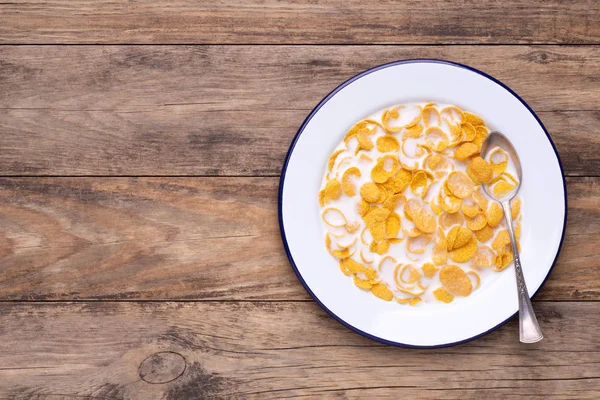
[(543, 193)]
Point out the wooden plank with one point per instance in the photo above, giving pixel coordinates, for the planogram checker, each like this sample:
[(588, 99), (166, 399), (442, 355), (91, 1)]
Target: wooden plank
[(271, 21), (271, 350), (195, 238), (183, 110)]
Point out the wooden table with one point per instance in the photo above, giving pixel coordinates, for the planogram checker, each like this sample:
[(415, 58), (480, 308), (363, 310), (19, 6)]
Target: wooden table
[(140, 149)]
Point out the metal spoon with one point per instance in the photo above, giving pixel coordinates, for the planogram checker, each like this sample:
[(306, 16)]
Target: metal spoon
[(529, 330)]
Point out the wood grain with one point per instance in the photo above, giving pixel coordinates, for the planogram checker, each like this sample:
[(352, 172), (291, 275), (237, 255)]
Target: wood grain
[(195, 238), (233, 110), (288, 21), (271, 350)]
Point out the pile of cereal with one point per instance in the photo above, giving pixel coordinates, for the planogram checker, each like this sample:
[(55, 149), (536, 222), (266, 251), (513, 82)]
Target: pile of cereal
[(404, 208)]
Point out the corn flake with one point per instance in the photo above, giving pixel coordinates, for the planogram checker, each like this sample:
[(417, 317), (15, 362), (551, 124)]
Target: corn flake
[(436, 139), (477, 223), (460, 184), (480, 171), (347, 186), (466, 151), (464, 253), (422, 219), (484, 234), (386, 167), (499, 160), (392, 225), (494, 214), (334, 217), (455, 280), (443, 295), (370, 192), (414, 132), (362, 283), (331, 191), (380, 290), (388, 144), (483, 257), (431, 116), (429, 270)]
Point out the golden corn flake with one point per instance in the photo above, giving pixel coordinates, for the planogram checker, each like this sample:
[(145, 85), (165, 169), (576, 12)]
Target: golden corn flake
[(429, 270), (394, 201), (484, 234), (436, 138), (422, 219), (466, 151), (499, 160), (362, 283), (469, 132), (414, 132), (480, 198), (458, 237), (501, 240), (332, 159), (347, 186), (515, 208), (473, 119), (380, 290), (392, 225), (469, 208), (476, 277), (375, 220), (351, 266), (503, 260), (483, 257), (464, 253), (442, 295), (388, 144), (334, 217), (502, 188), (399, 182), (494, 214), (413, 118), (481, 133), (419, 182), (409, 274), (440, 252), (477, 223), (331, 191), (460, 184), (450, 219), (449, 202), (379, 247), (453, 115), (455, 280), (362, 207), (431, 116), (386, 167), (370, 192), (480, 171)]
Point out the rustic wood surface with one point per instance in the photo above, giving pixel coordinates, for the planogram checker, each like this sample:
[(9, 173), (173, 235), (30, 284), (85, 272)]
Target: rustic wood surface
[(277, 350), (140, 255), (290, 21)]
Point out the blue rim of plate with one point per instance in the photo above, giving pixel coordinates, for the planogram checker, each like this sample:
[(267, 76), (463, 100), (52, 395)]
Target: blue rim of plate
[(291, 149)]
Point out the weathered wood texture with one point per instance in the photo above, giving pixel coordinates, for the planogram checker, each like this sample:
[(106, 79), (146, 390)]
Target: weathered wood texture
[(195, 238), (289, 21), (271, 350), (233, 110)]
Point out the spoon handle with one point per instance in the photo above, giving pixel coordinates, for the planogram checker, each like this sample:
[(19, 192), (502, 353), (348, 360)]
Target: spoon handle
[(529, 330)]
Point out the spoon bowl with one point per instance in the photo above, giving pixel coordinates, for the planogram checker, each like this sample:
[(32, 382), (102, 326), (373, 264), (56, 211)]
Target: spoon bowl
[(529, 329), (492, 141)]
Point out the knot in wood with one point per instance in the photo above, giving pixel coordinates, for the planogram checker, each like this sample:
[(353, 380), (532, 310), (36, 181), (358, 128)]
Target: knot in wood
[(162, 367)]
